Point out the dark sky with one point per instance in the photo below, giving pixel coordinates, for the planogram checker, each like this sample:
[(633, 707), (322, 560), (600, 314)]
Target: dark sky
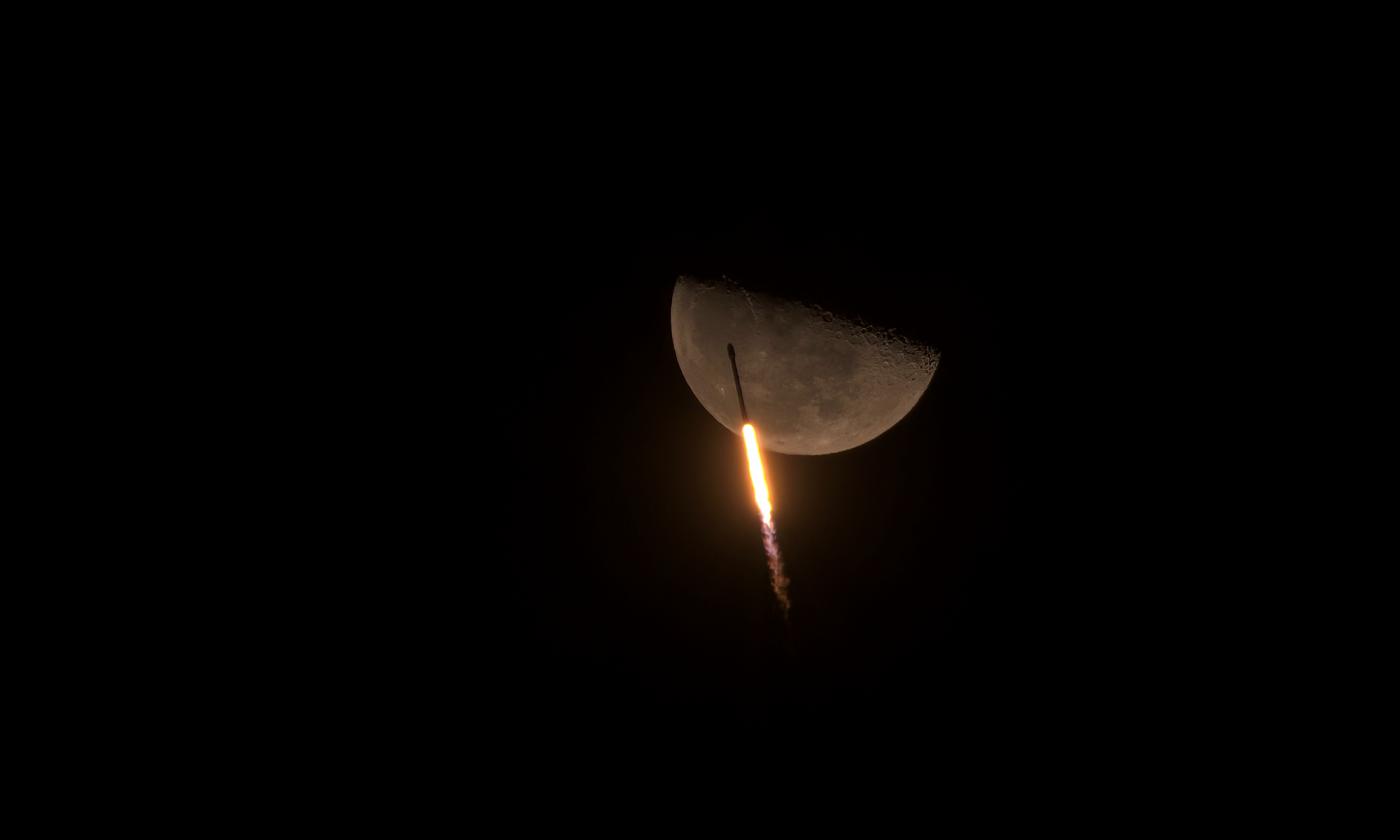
[(544, 520), (497, 511)]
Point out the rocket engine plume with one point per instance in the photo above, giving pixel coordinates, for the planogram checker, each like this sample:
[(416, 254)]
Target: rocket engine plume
[(765, 509)]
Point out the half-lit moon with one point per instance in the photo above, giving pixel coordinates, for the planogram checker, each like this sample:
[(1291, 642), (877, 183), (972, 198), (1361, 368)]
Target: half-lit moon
[(814, 382)]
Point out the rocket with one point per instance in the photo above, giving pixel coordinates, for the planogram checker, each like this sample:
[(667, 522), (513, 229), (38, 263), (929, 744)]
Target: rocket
[(743, 411), (760, 496)]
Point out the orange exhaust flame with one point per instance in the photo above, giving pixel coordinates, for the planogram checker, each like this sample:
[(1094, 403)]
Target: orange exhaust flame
[(765, 509), (760, 486)]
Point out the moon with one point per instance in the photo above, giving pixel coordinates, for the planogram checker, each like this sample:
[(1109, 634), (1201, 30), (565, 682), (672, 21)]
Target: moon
[(814, 382)]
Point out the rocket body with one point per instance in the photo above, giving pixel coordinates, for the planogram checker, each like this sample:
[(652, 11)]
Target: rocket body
[(738, 388)]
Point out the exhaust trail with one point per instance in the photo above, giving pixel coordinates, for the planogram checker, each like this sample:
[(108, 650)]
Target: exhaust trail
[(765, 509)]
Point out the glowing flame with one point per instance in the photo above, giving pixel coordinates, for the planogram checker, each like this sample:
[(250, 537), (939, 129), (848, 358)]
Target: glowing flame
[(760, 486), (765, 508)]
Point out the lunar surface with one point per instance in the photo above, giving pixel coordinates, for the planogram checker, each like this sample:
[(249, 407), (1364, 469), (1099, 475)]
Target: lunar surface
[(814, 382)]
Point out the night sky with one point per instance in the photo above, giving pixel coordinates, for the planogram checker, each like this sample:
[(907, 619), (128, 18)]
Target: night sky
[(543, 521), (474, 499)]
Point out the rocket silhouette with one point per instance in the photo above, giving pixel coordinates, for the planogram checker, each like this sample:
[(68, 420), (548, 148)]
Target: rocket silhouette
[(743, 411)]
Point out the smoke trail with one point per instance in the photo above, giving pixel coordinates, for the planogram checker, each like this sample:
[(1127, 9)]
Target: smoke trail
[(775, 566), (765, 510)]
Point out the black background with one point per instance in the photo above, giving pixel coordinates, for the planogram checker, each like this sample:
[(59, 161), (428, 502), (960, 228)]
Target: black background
[(540, 520), (463, 496)]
